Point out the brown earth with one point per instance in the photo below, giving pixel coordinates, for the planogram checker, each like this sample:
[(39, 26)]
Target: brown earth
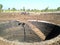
[(55, 18), (51, 17)]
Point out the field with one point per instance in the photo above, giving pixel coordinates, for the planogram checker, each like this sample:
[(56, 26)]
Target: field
[(51, 17), (9, 20)]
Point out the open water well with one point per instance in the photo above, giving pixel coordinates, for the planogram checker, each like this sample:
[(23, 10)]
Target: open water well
[(19, 31), (50, 30)]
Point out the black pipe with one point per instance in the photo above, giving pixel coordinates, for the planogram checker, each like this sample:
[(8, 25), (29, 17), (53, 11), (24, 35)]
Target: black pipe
[(24, 32)]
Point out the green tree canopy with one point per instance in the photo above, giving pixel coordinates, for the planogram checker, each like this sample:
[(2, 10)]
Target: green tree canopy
[(58, 8), (9, 9), (23, 8), (46, 9), (1, 6), (13, 9), (28, 9)]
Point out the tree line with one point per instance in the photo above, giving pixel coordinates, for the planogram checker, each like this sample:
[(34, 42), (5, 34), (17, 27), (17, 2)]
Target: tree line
[(29, 10)]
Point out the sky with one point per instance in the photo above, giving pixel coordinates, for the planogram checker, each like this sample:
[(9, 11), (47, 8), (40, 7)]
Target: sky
[(30, 4)]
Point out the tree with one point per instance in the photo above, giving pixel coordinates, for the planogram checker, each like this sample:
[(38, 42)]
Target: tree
[(23, 8), (35, 10), (8, 9), (13, 9), (46, 9), (1, 6), (58, 9), (32, 10), (28, 10)]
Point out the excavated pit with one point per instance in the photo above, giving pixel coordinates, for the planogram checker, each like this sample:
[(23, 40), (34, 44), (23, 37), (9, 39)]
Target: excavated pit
[(50, 30), (18, 31)]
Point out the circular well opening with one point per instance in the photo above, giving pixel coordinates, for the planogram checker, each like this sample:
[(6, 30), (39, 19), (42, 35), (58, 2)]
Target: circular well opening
[(18, 31)]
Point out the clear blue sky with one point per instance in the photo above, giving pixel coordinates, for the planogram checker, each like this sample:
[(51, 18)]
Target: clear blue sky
[(30, 4)]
